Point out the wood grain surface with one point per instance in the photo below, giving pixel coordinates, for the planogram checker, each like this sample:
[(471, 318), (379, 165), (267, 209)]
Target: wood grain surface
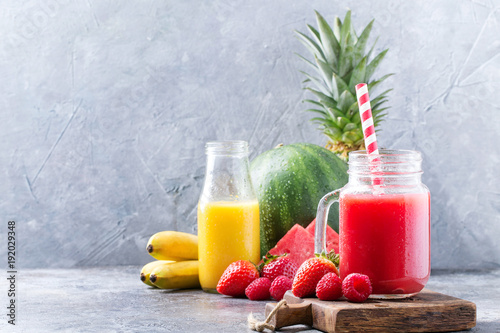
[(428, 311)]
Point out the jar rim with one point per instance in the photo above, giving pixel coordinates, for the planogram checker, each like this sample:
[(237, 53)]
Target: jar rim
[(226, 147), (388, 152), (388, 162), (385, 156)]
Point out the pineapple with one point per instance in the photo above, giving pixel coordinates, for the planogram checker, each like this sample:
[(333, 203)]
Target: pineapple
[(340, 62)]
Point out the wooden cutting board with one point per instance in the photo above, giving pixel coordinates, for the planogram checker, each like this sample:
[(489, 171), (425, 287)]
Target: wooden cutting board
[(428, 311)]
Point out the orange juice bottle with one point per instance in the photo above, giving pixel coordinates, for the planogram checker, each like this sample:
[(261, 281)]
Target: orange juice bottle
[(228, 212)]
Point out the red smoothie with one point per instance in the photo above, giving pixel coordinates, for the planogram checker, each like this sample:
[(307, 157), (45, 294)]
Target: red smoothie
[(386, 236)]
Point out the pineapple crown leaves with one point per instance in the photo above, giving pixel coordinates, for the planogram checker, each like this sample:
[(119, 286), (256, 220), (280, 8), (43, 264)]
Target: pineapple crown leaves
[(340, 61)]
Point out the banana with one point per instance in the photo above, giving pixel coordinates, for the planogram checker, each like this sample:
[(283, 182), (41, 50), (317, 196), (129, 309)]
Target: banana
[(173, 245), (178, 275), (146, 270)]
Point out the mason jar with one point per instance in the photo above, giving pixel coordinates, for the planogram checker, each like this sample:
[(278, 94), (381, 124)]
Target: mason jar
[(384, 222)]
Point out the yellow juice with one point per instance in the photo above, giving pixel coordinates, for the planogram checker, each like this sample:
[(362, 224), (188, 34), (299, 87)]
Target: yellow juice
[(227, 231)]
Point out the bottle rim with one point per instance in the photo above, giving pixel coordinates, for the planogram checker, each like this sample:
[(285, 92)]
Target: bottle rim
[(227, 147)]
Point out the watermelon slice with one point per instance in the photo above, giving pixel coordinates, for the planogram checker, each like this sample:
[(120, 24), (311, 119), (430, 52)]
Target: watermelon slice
[(332, 237), (298, 242)]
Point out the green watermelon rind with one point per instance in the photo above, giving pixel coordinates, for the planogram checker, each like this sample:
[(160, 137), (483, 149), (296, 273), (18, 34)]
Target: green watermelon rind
[(289, 182)]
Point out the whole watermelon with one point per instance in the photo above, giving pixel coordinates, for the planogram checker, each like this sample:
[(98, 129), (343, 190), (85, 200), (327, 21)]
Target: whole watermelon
[(289, 182)]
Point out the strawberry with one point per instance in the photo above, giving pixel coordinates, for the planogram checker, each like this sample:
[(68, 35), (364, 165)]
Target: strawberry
[(329, 288), (279, 287), (357, 287), (258, 289), (237, 276), (274, 266), (310, 272)]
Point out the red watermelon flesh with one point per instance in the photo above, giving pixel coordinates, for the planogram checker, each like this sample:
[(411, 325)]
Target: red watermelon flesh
[(298, 243), (332, 237)]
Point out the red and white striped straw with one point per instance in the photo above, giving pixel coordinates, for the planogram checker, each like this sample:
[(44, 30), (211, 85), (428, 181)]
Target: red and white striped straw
[(365, 111)]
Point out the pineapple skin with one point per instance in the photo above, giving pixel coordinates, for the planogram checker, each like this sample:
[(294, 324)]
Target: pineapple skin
[(342, 150)]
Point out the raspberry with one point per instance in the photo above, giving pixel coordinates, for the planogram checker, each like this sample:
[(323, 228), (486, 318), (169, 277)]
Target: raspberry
[(329, 288), (356, 287), (279, 287), (258, 289)]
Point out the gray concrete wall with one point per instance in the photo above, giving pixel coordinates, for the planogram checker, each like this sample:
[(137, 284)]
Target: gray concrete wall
[(106, 106)]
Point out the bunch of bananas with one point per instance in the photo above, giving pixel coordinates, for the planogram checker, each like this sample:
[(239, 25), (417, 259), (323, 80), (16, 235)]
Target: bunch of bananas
[(176, 266)]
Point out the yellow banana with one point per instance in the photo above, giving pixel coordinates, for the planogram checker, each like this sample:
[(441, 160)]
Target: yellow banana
[(173, 245), (146, 270), (178, 275)]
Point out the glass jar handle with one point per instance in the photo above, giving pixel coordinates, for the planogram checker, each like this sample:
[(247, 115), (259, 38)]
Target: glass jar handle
[(321, 220)]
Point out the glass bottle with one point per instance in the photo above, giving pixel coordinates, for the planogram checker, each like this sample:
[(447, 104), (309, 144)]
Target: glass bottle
[(228, 212), (384, 222)]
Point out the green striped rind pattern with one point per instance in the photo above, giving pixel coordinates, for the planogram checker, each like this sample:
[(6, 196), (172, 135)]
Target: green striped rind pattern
[(289, 182)]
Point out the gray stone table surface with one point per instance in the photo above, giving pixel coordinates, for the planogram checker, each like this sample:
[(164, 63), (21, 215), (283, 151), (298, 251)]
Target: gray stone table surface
[(113, 299)]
